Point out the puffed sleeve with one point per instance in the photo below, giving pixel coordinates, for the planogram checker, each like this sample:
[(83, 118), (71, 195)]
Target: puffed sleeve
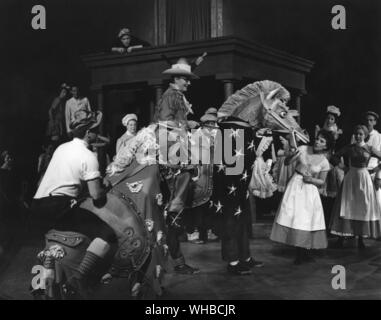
[(325, 165)]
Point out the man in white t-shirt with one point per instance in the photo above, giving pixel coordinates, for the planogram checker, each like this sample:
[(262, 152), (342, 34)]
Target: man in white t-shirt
[(72, 166)]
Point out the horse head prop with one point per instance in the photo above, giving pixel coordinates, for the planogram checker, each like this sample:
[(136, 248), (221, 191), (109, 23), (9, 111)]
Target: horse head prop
[(263, 104)]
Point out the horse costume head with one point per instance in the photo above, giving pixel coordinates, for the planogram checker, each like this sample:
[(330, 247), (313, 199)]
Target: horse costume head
[(263, 105)]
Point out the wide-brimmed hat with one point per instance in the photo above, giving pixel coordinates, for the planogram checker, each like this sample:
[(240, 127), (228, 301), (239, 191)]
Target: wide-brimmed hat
[(129, 117), (210, 115), (181, 68), (123, 32), (334, 110), (372, 113), (86, 119)]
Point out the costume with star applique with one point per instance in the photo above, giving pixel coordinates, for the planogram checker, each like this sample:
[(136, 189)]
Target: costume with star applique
[(231, 195)]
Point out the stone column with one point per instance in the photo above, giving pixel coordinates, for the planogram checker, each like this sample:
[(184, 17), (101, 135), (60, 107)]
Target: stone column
[(298, 105), (99, 103), (228, 87), (158, 92)]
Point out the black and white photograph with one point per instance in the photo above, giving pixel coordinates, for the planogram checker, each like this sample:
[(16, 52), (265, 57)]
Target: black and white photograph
[(209, 151)]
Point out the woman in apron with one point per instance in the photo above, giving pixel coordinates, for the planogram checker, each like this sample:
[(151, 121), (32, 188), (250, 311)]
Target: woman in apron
[(356, 211), (300, 218)]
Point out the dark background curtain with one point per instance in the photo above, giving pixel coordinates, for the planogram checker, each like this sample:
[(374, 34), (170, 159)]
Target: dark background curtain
[(188, 20)]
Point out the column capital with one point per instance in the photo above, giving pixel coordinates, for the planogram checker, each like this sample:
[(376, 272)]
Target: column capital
[(156, 82), (96, 87), (228, 77)]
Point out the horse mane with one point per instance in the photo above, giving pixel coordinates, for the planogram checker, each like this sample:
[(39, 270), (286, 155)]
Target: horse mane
[(237, 105)]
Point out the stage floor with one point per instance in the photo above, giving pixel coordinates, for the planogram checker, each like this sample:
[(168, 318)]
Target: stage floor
[(278, 279)]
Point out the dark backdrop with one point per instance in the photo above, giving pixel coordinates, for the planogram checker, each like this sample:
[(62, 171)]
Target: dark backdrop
[(34, 63)]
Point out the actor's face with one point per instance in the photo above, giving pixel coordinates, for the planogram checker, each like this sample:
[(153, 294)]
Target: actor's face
[(182, 83), (63, 93), (126, 40), (8, 160), (371, 121), (131, 126), (331, 119), (211, 123), (75, 92), (320, 143), (359, 136)]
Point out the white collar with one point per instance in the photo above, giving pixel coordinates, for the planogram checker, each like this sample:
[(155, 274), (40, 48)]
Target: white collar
[(175, 86), (374, 131), (81, 141)]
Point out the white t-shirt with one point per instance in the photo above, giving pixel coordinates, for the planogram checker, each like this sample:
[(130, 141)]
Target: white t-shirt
[(71, 164)]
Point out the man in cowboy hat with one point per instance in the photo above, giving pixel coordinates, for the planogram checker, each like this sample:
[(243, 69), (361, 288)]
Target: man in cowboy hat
[(71, 166), (172, 115), (173, 107)]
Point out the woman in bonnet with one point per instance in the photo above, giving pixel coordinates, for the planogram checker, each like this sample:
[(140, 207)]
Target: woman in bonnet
[(130, 122)]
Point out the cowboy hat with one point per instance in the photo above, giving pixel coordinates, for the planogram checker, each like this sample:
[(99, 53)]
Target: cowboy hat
[(181, 68), (88, 119)]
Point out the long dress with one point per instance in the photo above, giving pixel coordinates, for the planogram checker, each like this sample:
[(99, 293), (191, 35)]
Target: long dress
[(300, 218), (356, 211)]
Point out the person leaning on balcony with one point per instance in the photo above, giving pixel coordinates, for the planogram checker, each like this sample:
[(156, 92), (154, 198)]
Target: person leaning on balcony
[(126, 43)]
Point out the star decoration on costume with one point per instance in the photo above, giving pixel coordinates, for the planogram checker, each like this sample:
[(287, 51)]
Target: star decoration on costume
[(245, 176), (211, 204), (218, 207), (238, 153), (232, 189), (234, 133), (238, 211), (221, 167), (251, 146)]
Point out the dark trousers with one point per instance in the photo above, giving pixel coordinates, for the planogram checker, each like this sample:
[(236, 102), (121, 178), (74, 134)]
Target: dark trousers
[(203, 218), (234, 235), (55, 212), (173, 243), (179, 189)]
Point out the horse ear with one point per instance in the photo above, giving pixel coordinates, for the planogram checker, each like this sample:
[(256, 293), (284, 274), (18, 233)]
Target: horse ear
[(293, 112), (272, 94)]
